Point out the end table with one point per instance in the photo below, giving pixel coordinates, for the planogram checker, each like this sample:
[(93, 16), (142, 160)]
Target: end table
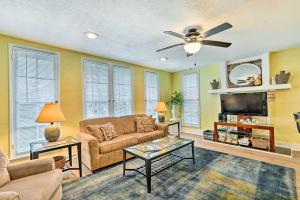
[(173, 126), (67, 142)]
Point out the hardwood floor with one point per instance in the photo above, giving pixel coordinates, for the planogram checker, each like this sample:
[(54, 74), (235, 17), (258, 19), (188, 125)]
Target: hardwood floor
[(268, 157)]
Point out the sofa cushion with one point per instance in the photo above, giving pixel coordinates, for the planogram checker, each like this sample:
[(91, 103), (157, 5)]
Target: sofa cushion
[(144, 137), (128, 123), (95, 131), (4, 176), (99, 121), (109, 131), (38, 187), (10, 195), (145, 124), (118, 143)]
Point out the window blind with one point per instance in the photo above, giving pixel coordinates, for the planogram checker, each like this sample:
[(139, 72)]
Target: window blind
[(122, 103), (107, 90), (151, 92), (191, 107), (96, 89), (34, 83)]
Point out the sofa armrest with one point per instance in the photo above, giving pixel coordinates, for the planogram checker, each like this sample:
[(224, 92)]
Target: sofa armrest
[(9, 195), (30, 168), (89, 150), (163, 127)]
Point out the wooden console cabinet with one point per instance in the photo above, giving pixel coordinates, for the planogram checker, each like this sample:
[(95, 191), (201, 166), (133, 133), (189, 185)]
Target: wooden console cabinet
[(247, 126)]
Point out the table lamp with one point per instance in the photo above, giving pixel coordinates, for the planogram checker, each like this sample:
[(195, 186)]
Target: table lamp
[(161, 108), (51, 113)]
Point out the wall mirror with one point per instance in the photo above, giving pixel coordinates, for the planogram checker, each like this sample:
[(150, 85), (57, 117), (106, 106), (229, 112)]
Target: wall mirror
[(244, 74)]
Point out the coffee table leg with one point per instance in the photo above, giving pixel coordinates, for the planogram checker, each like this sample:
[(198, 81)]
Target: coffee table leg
[(193, 153), (70, 155), (148, 175), (79, 159), (124, 161)]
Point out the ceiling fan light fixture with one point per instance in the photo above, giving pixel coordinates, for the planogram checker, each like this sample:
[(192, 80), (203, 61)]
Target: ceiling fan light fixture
[(192, 47)]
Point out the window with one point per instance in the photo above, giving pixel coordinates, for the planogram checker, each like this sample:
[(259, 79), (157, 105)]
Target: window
[(151, 92), (191, 99), (96, 89), (122, 91), (34, 82), (107, 90)]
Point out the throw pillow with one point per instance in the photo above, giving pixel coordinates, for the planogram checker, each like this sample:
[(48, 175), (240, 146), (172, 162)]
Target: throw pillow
[(109, 131), (5, 178), (145, 124), (95, 131)]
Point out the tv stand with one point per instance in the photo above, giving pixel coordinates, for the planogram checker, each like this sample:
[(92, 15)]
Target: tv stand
[(270, 128)]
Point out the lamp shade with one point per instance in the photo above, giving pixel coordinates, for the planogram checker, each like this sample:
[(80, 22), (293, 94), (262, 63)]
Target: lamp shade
[(50, 113), (161, 107)]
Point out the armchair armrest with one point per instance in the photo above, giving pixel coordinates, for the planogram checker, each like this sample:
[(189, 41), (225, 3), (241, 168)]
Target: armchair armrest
[(9, 195), (89, 150), (163, 127), (30, 168)]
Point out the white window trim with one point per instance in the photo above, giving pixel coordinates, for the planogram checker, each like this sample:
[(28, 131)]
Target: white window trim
[(145, 84), (199, 110), (111, 85), (12, 94)]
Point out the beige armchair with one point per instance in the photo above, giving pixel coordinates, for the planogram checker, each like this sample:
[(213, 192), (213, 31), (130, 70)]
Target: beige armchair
[(31, 180)]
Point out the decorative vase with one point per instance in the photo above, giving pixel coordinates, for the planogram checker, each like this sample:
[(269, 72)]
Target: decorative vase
[(282, 77), (174, 112), (214, 84)]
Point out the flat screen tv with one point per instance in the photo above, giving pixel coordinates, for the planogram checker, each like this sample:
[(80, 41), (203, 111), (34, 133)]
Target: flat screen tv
[(250, 104)]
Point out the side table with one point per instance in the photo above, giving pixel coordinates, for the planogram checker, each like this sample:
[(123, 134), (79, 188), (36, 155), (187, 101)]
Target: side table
[(67, 142), (173, 126)]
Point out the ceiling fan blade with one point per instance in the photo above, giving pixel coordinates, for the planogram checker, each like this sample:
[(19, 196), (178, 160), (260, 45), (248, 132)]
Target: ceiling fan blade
[(215, 43), (175, 45), (175, 34), (189, 54), (217, 29)]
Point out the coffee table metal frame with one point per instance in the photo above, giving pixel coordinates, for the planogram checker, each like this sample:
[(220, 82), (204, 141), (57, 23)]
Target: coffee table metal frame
[(146, 170)]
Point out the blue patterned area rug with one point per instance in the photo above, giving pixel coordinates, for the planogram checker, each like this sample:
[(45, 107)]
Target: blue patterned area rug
[(214, 176)]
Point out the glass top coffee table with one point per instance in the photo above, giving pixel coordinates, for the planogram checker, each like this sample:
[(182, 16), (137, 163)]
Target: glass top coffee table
[(158, 155)]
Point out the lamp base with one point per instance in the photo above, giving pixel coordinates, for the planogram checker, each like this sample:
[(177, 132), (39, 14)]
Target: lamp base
[(52, 133), (161, 117)]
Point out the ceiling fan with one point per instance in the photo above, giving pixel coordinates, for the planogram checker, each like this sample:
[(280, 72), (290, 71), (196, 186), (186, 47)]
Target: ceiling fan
[(193, 39)]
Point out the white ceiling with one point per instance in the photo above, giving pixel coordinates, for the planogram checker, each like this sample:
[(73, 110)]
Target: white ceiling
[(131, 30)]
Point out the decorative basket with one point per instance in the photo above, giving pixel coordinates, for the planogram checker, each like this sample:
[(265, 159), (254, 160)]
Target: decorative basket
[(59, 162), (208, 135), (261, 143)]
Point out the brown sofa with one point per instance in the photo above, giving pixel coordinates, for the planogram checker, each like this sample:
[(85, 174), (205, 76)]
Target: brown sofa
[(96, 155), (35, 179)]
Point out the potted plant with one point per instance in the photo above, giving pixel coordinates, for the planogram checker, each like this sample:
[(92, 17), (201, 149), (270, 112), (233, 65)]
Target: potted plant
[(175, 103)]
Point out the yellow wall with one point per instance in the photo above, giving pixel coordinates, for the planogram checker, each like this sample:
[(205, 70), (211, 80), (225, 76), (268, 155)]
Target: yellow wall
[(70, 86), (286, 101), (209, 103), (280, 111)]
